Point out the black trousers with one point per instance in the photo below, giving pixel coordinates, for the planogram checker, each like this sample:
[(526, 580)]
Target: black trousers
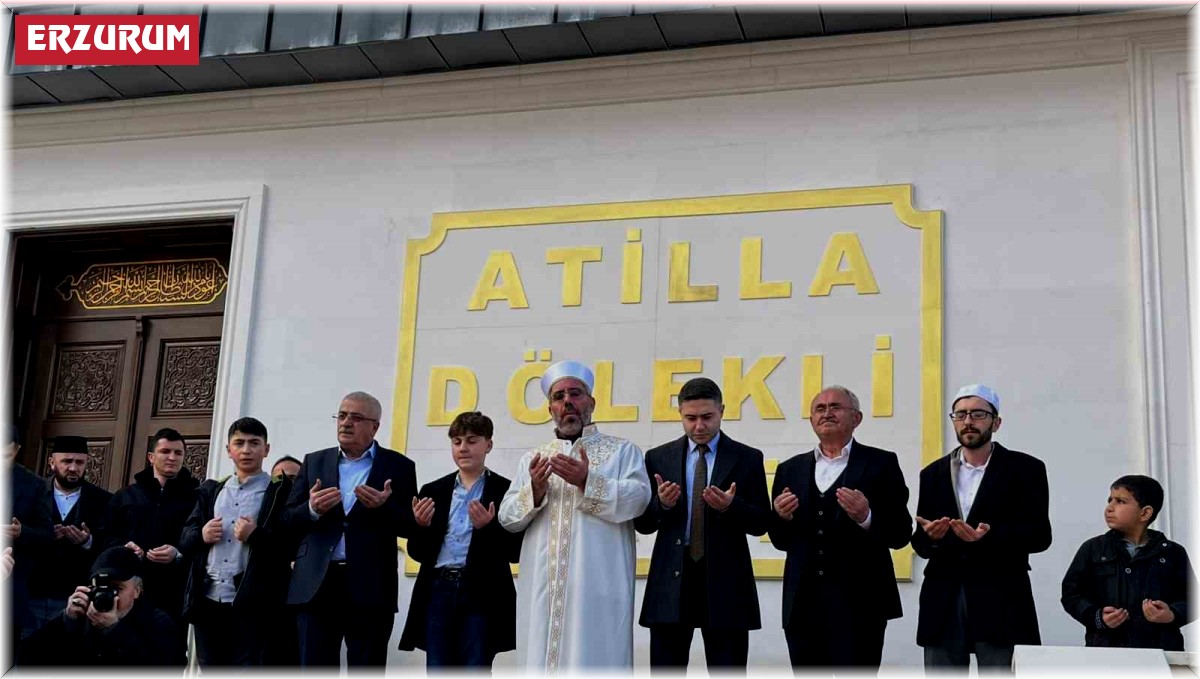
[(228, 638), (329, 619), (670, 645), (828, 630), (952, 653), (283, 640)]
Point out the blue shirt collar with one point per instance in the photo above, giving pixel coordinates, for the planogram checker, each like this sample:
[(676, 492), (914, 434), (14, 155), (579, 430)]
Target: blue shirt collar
[(369, 454), (712, 445)]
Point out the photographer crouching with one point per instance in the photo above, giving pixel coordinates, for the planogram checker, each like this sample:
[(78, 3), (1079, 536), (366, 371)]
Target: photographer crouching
[(107, 623)]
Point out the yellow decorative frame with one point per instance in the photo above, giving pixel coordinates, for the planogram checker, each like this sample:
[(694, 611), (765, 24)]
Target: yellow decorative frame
[(898, 196)]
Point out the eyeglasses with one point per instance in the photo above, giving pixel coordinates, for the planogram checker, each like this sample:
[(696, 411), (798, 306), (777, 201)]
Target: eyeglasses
[(960, 415), (831, 409), (354, 418)]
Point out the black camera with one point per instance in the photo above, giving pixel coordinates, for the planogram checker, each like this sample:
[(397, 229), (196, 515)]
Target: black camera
[(103, 593)]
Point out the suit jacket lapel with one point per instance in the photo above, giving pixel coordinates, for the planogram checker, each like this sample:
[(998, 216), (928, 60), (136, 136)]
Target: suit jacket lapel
[(856, 466), (677, 464), (329, 472), (490, 492), (954, 463), (804, 476), (443, 497), (378, 473), (724, 462)]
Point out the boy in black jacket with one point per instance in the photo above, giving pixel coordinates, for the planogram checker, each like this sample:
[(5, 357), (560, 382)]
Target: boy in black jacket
[(237, 547), (1129, 586), (463, 609)]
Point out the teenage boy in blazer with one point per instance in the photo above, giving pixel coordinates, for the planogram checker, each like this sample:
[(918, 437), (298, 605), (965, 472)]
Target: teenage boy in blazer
[(982, 510), (463, 607), (701, 576), (237, 546)]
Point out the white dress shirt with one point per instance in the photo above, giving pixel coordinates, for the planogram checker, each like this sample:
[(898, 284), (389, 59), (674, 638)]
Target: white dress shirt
[(969, 478), (828, 469)]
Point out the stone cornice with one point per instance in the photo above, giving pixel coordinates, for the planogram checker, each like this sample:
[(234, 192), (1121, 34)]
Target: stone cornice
[(700, 72)]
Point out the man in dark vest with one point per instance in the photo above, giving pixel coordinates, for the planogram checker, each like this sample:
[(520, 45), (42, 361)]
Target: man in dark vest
[(79, 510), (710, 493), (840, 509)]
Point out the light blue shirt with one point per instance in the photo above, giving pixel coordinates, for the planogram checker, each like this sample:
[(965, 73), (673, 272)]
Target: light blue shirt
[(66, 502), (351, 474), (458, 529), (689, 471), (229, 556)]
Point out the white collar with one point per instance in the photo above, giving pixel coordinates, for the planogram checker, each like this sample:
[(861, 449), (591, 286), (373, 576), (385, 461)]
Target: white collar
[(844, 454)]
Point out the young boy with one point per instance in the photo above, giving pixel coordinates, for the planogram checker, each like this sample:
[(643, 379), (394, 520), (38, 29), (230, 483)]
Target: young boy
[(463, 607), (236, 542), (1129, 586)]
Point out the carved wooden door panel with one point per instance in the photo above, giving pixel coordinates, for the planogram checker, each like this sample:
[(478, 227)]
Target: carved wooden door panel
[(86, 372), (178, 385)]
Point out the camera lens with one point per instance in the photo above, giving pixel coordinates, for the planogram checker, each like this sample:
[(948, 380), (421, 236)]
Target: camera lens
[(103, 601)]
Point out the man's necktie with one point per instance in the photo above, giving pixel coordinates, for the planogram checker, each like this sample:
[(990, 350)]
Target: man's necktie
[(699, 481)]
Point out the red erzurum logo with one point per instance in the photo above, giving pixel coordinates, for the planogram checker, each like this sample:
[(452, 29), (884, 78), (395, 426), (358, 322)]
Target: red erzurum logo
[(106, 40)]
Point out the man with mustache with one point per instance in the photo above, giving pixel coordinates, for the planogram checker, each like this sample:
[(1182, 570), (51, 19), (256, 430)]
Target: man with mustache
[(839, 510), (982, 510), (78, 512), (348, 505), (576, 498)]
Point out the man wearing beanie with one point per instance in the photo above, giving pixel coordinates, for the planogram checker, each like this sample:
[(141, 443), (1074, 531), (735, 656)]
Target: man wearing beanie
[(78, 510), (130, 632), (576, 498), (982, 510)]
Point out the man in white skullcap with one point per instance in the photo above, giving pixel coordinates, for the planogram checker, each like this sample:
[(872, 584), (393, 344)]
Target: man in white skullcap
[(576, 498), (982, 510)]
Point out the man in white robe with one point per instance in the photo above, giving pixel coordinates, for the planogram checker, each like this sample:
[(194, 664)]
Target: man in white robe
[(576, 498)]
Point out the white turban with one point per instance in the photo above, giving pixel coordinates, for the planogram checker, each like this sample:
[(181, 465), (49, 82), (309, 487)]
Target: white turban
[(565, 369)]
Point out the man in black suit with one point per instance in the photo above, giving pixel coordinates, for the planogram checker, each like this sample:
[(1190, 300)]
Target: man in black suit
[(349, 504), (78, 510), (463, 609), (982, 510), (701, 575), (839, 509), (28, 531)]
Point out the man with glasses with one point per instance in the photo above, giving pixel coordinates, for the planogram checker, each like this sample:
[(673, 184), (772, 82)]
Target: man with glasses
[(839, 509), (348, 505), (982, 510)]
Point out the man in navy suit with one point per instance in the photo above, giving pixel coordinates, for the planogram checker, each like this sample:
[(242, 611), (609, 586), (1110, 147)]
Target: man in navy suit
[(464, 606), (349, 504), (710, 493), (839, 510), (982, 510)]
